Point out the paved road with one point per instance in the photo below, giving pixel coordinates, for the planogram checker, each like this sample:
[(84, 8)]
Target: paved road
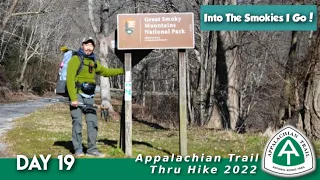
[(9, 112)]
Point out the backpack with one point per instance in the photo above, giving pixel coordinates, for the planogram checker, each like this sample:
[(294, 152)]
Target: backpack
[(61, 84)]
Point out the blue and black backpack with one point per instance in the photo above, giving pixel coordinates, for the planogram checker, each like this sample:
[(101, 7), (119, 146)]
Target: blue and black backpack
[(61, 84)]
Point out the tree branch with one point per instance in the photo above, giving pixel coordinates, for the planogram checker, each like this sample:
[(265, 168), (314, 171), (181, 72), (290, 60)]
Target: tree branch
[(6, 18), (91, 18), (12, 34), (121, 6), (198, 2), (171, 6), (13, 6), (28, 13), (43, 10)]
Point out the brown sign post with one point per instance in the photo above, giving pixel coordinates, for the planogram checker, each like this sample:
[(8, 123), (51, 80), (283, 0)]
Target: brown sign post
[(155, 31), (130, 58)]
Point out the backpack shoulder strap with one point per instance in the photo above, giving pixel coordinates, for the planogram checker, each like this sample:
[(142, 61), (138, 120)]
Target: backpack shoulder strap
[(81, 63), (95, 63)]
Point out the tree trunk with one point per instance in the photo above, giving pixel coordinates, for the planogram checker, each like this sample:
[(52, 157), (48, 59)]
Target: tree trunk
[(233, 97), (221, 84), (100, 36), (232, 62), (8, 16), (289, 105), (226, 86), (312, 109), (311, 113), (105, 81), (143, 78), (214, 118), (202, 79), (210, 79), (289, 109), (203, 62), (28, 56), (189, 99)]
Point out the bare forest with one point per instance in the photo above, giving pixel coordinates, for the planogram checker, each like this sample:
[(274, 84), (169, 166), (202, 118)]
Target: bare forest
[(244, 81)]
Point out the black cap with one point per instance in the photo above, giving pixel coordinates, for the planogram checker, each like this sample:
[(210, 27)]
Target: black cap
[(87, 40)]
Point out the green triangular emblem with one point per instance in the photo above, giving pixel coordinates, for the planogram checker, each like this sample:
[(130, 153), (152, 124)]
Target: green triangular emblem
[(288, 153)]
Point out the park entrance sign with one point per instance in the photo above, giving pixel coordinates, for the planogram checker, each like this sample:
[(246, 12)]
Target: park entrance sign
[(155, 31), (136, 36)]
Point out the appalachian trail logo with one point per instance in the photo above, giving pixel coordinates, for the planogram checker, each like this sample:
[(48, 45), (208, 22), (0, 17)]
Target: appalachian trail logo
[(288, 154), (129, 26)]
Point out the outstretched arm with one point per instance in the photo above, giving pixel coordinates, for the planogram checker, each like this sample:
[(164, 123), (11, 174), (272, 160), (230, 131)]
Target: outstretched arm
[(108, 72)]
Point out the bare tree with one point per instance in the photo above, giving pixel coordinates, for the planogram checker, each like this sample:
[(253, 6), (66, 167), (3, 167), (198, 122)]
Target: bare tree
[(10, 13), (100, 36), (311, 109), (290, 107), (235, 80)]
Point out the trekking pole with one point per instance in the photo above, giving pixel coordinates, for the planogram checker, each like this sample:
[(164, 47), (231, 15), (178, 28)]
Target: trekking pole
[(79, 103), (88, 105), (104, 110)]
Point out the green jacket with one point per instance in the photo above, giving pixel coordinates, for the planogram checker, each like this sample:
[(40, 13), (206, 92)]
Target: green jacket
[(84, 75)]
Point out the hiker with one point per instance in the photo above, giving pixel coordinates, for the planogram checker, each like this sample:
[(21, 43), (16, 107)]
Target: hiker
[(81, 89)]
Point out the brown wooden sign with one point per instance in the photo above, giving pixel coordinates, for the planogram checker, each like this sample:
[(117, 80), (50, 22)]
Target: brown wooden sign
[(155, 31), (137, 55)]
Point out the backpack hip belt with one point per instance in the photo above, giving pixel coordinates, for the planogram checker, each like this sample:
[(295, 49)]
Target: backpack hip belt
[(87, 88)]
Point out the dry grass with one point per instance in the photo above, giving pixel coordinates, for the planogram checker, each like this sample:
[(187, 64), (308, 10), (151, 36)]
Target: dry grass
[(48, 131), (8, 97)]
